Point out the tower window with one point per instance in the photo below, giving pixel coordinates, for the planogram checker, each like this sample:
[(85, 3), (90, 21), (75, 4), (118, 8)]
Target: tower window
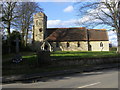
[(39, 23), (57, 44), (36, 22), (40, 29), (68, 45), (101, 44), (78, 44)]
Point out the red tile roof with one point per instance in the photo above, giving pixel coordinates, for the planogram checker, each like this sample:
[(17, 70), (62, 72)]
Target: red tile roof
[(76, 34)]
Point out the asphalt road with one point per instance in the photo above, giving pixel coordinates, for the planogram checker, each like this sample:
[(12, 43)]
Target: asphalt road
[(97, 79)]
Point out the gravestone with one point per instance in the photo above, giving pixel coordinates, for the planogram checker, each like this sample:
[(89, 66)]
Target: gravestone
[(43, 57), (18, 57)]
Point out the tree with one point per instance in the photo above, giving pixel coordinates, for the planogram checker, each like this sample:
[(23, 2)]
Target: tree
[(24, 22), (119, 27), (8, 15), (101, 13)]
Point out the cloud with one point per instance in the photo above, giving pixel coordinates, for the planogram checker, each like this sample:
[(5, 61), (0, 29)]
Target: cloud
[(54, 0), (53, 23), (62, 0), (60, 23), (113, 37), (68, 9)]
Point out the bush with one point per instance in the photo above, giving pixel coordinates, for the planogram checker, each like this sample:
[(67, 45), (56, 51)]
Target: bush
[(113, 49)]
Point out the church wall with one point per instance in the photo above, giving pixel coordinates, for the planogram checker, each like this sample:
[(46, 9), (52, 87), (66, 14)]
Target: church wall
[(95, 46), (73, 46)]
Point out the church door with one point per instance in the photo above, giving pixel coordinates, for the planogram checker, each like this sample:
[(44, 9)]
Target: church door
[(46, 47)]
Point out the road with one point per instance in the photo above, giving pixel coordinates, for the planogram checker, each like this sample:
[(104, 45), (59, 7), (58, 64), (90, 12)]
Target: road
[(97, 79)]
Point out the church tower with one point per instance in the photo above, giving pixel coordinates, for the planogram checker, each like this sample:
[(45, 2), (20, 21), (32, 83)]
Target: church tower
[(39, 28)]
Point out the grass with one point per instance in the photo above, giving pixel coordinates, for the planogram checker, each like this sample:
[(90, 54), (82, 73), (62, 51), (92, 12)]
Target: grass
[(76, 55), (29, 64)]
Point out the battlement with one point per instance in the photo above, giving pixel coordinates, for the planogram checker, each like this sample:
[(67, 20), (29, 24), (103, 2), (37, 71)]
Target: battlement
[(39, 15)]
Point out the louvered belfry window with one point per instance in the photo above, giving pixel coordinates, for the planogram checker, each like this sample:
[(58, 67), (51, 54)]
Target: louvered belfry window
[(40, 29)]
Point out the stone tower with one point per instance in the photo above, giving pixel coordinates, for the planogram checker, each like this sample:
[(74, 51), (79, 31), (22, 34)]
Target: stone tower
[(40, 25), (39, 28)]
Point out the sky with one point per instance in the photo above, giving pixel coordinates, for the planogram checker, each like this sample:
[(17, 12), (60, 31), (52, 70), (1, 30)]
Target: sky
[(64, 14), (60, 14)]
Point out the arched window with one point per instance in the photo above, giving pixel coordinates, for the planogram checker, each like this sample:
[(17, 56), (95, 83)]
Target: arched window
[(36, 22), (78, 44), (101, 44), (68, 44)]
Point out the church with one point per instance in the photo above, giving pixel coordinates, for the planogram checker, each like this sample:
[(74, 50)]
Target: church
[(67, 39)]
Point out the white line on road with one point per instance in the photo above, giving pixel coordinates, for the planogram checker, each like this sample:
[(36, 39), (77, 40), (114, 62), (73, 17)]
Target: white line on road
[(89, 85)]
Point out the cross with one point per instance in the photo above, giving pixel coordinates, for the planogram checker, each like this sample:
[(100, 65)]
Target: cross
[(17, 58), (17, 44)]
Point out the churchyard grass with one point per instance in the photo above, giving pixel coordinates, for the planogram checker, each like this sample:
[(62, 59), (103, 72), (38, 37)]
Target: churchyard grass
[(29, 64), (76, 54)]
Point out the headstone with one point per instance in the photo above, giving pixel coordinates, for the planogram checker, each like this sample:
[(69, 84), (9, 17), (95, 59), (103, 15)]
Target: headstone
[(43, 57), (18, 57)]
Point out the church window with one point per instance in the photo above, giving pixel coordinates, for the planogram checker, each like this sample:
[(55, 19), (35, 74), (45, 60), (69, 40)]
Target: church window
[(57, 44), (36, 22), (78, 44), (68, 45), (101, 44), (40, 29), (39, 23)]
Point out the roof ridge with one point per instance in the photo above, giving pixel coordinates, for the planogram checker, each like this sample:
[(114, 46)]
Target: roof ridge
[(97, 29), (69, 28)]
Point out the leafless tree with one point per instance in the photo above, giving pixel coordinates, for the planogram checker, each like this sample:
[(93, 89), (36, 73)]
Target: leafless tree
[(24, 22), (101, 13), (8, 15)]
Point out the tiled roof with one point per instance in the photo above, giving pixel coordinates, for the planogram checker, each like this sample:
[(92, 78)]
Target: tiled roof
[(76, 34), (98, 35)]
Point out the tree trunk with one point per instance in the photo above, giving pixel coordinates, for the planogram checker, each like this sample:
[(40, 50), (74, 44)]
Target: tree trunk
[(22, 39), (9, 40), (88, 41), (33, 36), (118, 33), (26, 38), (118, 37)]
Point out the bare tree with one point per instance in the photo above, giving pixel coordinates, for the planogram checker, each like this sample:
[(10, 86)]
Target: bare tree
[(100, 13), (24, 22), (8, 15), (119, 27)]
